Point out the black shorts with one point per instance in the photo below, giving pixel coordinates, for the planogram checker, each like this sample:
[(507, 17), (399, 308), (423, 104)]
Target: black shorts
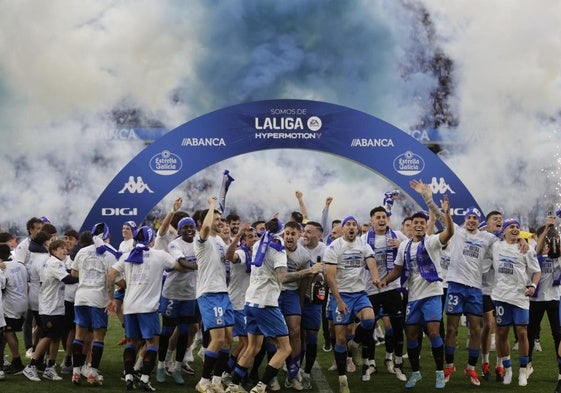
[(14, 325), (488, 304), (52, 326), (387, 303)]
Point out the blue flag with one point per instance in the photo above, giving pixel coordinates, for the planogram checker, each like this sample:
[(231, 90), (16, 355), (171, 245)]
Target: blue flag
[(226, 181)]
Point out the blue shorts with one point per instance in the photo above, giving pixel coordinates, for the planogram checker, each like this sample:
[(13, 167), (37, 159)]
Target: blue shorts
[(289, 303), (170, 308), (144, 326), (422, 311), (355, 302), (508, 314), (90, 317), (311, 316), (216, 310), (267, 321), (461, 299), (240, 324)]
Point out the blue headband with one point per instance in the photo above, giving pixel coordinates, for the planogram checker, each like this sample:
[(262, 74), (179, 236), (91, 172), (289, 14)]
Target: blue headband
[(44, 219), (510, 221), (148, 235), (184, 221), (137, 253), (132, 226), (347, 219), (472, 210), (105, 234)]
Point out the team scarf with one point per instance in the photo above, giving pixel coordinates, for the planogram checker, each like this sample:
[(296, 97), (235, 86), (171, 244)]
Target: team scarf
[(137, 254), (390, 252), (226, 181), (426, 266), (247, 253), (101, 247), (388, 201), (267, 240)]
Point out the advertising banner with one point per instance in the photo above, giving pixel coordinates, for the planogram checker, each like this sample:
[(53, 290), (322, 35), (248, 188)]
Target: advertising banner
[(273, 124)]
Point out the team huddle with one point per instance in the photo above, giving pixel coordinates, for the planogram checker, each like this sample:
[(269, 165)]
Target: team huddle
[(275, 286)]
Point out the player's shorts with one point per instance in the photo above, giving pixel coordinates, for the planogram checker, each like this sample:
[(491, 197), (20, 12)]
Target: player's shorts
[(387, 303), (90, 317), (311, 316), (355, 302), (422, 311), (488, 304), (289, 303), (216, 310), (240, 324), (14, 325), (52, 326), (170, 308), (507, 314), (462, 299), (142, 326), (266, 321)]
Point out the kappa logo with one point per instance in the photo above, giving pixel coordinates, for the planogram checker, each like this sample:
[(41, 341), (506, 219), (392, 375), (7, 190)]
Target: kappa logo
[(440, 186), (137, 186)]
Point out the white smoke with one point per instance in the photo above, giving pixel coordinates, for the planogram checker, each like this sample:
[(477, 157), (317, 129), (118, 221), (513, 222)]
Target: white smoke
[(508, 90), (71, 64)]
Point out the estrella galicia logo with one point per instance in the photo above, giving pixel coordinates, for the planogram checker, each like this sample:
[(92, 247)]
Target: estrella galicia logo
[(409, 164), (166, 163)]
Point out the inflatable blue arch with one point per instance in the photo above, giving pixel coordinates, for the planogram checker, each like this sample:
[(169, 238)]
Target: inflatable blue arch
[(272, 124)]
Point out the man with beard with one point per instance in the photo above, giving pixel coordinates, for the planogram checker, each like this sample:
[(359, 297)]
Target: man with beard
[(313, 302), (264, 319), (233, 221), (345, 259), (289, 299)]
